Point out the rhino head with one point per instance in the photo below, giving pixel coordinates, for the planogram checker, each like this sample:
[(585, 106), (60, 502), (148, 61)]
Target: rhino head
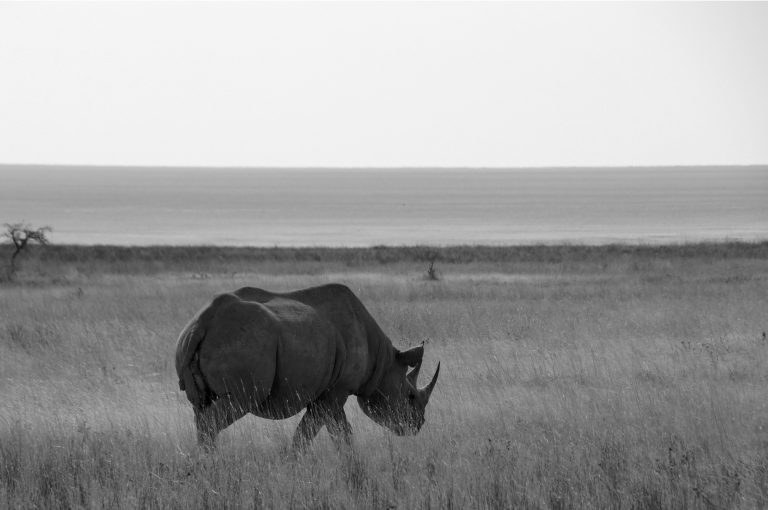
[(398, 404)]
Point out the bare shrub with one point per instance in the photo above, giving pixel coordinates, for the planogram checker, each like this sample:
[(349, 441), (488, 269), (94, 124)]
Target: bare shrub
[(432, 274), (21, 234)]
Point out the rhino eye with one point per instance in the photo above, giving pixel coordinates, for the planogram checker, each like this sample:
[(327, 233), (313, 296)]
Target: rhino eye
[(411, 397)]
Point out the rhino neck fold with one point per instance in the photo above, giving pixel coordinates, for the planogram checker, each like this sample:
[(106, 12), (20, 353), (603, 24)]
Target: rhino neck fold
[(382, 352)]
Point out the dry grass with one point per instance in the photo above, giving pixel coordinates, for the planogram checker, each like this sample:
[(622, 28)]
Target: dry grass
[(614, 382)]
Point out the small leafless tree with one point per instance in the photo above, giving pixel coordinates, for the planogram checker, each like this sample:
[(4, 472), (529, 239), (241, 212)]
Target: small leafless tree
[(21, 234), (431, 271)]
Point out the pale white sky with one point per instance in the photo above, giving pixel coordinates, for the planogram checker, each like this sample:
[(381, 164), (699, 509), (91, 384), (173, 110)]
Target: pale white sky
[(384, 84)]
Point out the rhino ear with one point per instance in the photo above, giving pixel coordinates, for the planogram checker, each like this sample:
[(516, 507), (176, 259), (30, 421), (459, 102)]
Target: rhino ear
[(411, 357)]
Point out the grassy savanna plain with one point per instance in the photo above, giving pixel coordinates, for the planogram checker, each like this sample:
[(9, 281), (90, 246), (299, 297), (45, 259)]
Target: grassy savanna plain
[(572, 377)]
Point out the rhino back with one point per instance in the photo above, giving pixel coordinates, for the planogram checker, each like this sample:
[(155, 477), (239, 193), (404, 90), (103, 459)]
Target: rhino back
[(368, 351)]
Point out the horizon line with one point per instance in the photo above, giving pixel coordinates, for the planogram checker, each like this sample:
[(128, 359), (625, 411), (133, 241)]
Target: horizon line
[(373, 167)]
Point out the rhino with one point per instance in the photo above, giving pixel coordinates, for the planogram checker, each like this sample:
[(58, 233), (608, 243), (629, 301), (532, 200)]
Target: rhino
[(275, 354)]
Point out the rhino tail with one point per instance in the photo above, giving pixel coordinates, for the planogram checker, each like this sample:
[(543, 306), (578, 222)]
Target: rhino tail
[(191, 379), (188, 364)]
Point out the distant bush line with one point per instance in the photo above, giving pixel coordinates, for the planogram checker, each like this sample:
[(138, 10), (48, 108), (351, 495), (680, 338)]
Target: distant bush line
[(163, 258)]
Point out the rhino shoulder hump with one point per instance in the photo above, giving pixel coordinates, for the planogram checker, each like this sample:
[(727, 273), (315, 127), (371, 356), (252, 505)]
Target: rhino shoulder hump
[(253, 294)]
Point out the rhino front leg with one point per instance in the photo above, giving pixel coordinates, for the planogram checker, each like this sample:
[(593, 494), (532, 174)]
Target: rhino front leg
[(214, 418), (328, 413), (309, 426), (339, 428)]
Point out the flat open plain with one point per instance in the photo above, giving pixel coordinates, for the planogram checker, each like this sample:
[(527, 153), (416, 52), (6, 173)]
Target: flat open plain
[(572, 377)]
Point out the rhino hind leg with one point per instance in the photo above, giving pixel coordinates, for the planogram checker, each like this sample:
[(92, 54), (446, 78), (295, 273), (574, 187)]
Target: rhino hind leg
[(215, 417)]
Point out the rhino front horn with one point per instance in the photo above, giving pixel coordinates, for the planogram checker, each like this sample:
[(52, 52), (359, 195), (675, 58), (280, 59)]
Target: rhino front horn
[(427, 391)]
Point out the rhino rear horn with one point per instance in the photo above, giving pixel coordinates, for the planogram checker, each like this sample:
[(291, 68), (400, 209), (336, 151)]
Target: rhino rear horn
[(427, 390), (413, 375)]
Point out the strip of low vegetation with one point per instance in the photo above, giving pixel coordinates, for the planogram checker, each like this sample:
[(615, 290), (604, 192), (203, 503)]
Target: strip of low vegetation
[(223, 259)]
